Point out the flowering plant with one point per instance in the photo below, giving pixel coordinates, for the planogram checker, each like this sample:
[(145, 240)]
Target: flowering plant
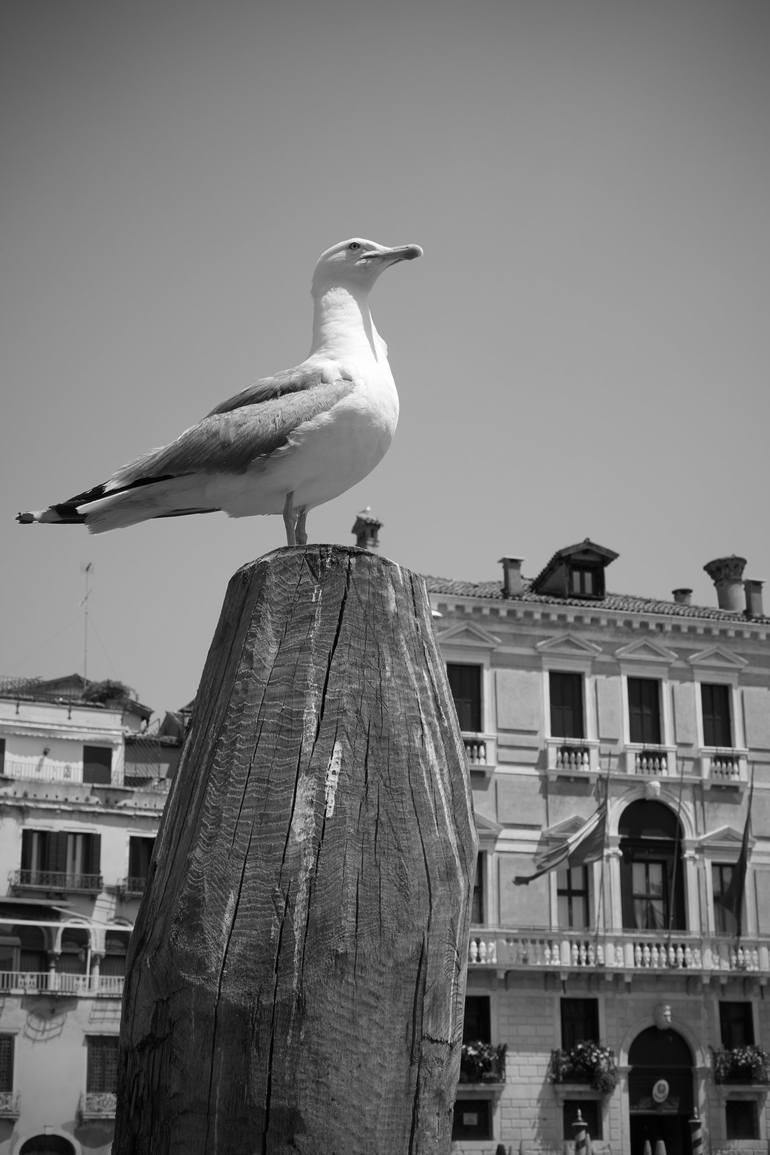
[(747, 1064), (482, 1063), (586, 1062)]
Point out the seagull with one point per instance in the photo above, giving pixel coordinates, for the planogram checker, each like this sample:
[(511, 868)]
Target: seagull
[(284, 444)]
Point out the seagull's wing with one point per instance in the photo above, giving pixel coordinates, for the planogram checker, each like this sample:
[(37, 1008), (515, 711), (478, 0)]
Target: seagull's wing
[(290, 381), (248, 428)]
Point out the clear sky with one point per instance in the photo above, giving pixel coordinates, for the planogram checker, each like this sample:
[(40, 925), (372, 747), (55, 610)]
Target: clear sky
[(582, 351)]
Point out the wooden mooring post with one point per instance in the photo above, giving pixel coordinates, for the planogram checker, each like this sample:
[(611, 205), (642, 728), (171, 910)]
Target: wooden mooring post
[(296, 976)]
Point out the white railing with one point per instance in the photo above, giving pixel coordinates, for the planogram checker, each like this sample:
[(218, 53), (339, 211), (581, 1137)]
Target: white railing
[(618, 951), (480, 750), (54, 982), (724, 767), (43, 769), (650, 761), (569, 756)]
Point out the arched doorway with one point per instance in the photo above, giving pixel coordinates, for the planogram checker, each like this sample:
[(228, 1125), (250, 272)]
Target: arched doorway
[(47, 1145), (660, 1091)]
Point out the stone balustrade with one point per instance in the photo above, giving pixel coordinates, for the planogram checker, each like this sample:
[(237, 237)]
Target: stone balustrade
[(622, 951)]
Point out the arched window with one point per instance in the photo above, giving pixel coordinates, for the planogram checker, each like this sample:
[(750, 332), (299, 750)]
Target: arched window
[(32, 954), (651, 871), (74, 951)]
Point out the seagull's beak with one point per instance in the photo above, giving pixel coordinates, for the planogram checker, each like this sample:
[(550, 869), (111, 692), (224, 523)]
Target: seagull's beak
[(385, 256)]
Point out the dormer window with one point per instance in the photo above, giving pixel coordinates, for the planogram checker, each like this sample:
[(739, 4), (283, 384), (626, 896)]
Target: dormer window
[(586, 581), (575, 572)]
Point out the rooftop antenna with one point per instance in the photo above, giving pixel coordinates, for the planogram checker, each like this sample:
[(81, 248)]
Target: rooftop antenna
[(86, 568)]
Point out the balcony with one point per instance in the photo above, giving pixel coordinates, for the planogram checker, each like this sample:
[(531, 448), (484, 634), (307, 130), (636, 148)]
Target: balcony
[(725, 768), (55, 880), (64, 985), (480, 752), (622, 952), (98, 1105), (650, 761), (10, 1104), (573, 758), (132, 887)]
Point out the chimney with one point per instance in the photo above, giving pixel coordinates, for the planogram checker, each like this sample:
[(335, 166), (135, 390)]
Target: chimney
[(682, 596), (513, 583), (753, 589), (726, 574), (366, 528)]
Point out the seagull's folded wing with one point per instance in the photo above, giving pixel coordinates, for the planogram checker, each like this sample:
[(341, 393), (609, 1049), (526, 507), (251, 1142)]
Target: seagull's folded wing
[(252, 425)]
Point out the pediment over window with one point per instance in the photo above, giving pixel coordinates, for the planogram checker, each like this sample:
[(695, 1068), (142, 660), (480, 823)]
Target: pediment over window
[(646, 652), (725, 838), (569, 646), (468, 634), (487, 829), (717, 658)]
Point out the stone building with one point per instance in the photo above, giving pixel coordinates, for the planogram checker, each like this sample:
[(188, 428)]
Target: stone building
[(618, 981), (83, 782)]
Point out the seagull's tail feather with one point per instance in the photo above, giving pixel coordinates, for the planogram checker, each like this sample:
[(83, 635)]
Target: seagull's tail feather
[(101, 510), (166, 497)]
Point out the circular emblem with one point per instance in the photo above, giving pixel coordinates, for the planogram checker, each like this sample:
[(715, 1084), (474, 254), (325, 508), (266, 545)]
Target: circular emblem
[(660, 1091)]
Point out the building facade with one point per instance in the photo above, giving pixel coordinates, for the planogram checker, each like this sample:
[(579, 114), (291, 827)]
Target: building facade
[(627, 983), (83, 782)]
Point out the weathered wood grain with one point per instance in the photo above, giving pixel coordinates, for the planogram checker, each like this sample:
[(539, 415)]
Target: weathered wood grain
[(297, 972)]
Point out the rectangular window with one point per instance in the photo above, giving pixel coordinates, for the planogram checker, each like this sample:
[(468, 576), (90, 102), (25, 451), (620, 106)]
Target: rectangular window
[(477, 901), (476, 1021), (6, 1062), (472, 1119), (586, 582), (139, 855), (566, 693), (721, 877), (741, 1120), (58, 858), (572, 897), (465, 684), (644, 710), (102, 1063), (650, 895), (97, 765), (579, 1022), (717, 718), (736, 1024), (590, 1112), (2, 755)]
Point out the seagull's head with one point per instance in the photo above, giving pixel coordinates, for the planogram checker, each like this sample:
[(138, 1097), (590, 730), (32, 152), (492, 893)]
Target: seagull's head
[(357, 263)]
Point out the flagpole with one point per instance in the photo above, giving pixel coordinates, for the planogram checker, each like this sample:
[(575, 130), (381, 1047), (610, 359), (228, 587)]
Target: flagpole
[(677, 856), (601, 909)]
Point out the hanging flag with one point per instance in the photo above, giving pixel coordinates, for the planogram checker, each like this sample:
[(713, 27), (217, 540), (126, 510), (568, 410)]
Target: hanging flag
[(732, 899), (585, 845)]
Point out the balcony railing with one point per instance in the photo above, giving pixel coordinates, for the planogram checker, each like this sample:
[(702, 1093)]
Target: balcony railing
[(622, 951), (480, 751), (42, 769), (572, 757), (56, 983), (650, 761), (98, 1105), (133, 885), (10, 1104), (55, 880), (724, 767)]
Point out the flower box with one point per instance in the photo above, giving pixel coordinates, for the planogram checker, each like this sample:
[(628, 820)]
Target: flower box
[(482, 1063), (748, 1064), (586, 1062)]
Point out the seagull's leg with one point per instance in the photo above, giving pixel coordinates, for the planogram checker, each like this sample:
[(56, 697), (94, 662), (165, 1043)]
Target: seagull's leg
[(300, 530), (290, 519)]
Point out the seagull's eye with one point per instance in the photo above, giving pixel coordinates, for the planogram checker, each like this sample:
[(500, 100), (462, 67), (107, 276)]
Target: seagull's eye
[(354, 245)]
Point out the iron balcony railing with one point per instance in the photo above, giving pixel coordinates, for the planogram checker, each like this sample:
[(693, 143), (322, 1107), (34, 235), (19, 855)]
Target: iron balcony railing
[(56, 983), (133, 885), (55, 880), (623, 951)]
